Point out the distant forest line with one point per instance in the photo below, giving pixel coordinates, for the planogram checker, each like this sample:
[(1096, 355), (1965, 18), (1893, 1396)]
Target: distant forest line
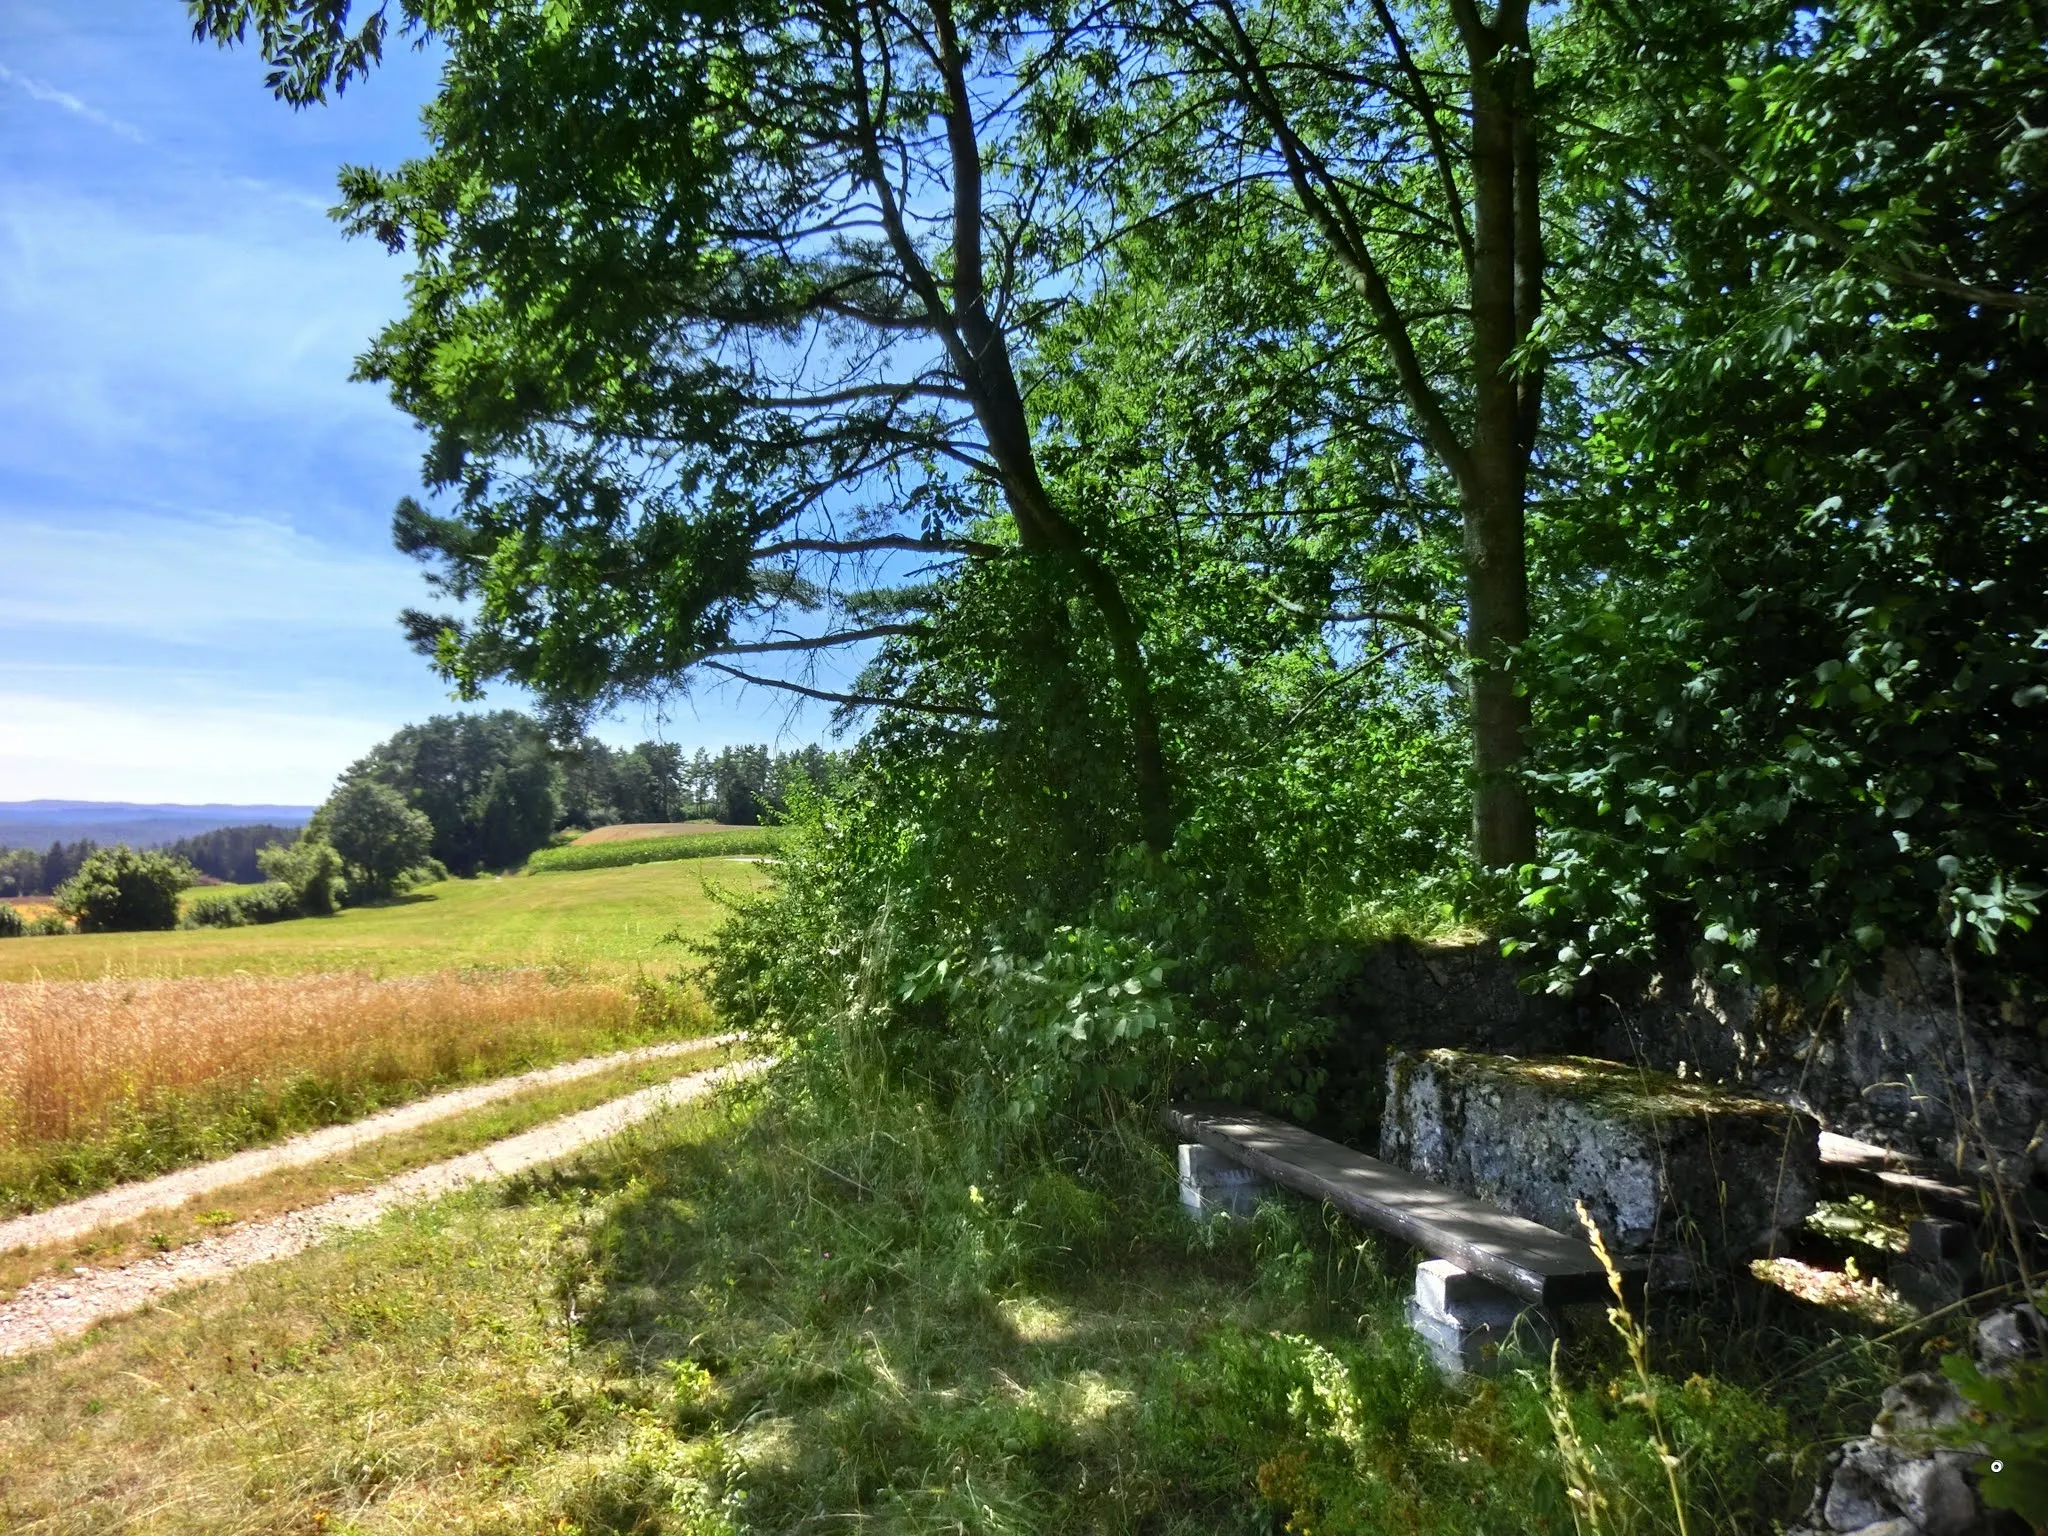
[(585, 784)]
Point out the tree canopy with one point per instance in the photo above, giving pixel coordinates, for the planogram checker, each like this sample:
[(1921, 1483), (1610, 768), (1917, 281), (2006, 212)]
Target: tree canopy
[(1574, 467)]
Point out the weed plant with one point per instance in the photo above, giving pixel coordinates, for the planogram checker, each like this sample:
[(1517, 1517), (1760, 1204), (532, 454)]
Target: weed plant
[(740, 842)]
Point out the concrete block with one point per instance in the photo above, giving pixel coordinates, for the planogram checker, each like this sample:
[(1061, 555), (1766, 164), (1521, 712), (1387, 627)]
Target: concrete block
[(1444, 1290), (1940, 1265), (1934, 1240), (1468, 1323), (1211, 1182), (1481, 1350)]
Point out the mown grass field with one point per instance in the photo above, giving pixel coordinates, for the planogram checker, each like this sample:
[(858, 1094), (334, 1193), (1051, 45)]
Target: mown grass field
[(608, 922), (728, 1322)]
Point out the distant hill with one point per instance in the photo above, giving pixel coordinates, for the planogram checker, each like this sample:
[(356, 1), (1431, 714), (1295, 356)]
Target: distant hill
[(39, 823)]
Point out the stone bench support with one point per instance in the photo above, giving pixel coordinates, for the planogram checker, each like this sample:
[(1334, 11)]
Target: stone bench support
[(1468, 1323), (1211, 1182)]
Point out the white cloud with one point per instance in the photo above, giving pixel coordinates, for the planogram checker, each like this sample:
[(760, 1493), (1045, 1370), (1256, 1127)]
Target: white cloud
[(178, 329), (38, 90)]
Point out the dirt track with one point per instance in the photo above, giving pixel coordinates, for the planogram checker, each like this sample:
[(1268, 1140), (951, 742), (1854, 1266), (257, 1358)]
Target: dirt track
[(51, 1310)]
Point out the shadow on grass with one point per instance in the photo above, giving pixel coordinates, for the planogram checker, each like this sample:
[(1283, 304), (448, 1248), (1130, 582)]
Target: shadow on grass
[(876, 1334), (877, 1319)]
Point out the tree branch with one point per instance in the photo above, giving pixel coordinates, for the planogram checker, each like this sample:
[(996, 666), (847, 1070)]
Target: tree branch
[(1427, 628), (816, 642), (974, 547), (855, 700), (1305, 170), (1832, 235), (1439, 147)]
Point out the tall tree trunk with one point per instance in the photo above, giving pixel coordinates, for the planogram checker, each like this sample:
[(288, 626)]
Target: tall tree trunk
[(1488, 458), (1506, 284)]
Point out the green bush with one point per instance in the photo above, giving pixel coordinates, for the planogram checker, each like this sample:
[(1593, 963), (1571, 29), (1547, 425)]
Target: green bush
[(273, 903), (120, 890), (216, 909), (741, 842), (48, 925), (430, 871), (311, 871), (12, 924)]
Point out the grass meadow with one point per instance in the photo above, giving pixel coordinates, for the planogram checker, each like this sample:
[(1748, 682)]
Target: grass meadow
[(603, 922), (632, 831), (710, 843)]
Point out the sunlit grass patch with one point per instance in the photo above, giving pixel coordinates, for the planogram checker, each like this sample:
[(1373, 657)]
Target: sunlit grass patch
[(1864, 1297), (607, 923)]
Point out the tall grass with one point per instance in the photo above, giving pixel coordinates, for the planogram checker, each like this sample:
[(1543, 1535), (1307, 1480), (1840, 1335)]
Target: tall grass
[(107, 1080), (739, 842)]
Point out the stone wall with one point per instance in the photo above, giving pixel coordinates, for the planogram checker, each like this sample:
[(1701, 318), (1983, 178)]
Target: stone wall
[(1893, 1065), (1884, 1065)]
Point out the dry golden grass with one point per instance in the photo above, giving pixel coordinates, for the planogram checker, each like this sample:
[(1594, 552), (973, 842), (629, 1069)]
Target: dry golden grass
[(104, 1081), (70, 1051)]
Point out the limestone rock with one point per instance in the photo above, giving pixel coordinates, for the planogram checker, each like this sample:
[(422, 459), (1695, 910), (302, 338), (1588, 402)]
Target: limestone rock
[(1900, 1479), (1667, 1167)]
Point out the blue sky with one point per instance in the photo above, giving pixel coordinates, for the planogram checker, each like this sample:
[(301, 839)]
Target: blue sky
[(198, 595)]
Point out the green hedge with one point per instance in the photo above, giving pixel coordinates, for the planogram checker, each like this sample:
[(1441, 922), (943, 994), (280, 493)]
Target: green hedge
[(275, 902), (738, 842)]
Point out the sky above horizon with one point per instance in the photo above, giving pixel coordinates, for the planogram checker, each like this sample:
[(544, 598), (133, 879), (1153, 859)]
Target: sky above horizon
[(198, 593)]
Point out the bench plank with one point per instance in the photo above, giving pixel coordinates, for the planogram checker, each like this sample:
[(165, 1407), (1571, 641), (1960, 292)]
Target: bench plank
[(1530, 1260)]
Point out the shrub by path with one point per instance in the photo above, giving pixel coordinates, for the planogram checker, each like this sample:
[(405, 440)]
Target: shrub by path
[(130, 1201), (52, 1310)]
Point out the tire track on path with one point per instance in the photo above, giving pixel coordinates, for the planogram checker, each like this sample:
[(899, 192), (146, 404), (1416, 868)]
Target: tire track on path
[(127, 1202), (48, 1311)]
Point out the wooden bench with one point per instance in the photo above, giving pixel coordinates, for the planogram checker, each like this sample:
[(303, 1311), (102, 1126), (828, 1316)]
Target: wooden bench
[(1532, 1261)]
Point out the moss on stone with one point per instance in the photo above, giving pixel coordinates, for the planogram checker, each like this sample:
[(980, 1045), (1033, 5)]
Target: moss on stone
[(1613, 1088)]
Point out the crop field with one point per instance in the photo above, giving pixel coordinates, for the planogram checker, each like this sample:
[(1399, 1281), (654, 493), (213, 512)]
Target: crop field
[(605, 922), (718, 842), (124, 1055), (103, 1081)]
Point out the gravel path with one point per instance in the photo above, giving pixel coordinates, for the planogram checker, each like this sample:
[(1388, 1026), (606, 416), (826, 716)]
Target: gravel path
[(51, 1310), (130, 1201)]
